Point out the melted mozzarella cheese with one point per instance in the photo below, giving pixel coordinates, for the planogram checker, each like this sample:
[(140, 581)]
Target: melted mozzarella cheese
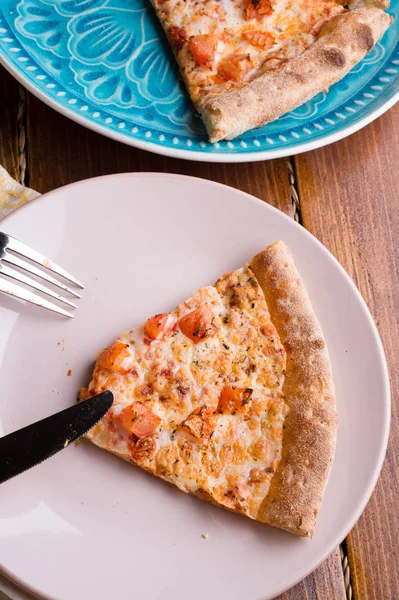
[(228, 454)]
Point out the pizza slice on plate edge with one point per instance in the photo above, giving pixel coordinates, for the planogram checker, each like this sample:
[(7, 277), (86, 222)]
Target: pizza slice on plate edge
[(247, 62), (230, 396)]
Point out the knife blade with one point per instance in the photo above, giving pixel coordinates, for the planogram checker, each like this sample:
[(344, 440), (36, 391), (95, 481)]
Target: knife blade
[(31, 445)]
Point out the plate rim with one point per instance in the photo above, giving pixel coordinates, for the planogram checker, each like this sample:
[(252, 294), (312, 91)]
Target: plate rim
[(350, 522), (194, 155)]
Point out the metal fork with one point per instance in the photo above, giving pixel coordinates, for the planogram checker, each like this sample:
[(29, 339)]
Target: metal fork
[(10, 251)]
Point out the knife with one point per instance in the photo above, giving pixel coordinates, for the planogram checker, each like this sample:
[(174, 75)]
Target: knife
[(30, 445)]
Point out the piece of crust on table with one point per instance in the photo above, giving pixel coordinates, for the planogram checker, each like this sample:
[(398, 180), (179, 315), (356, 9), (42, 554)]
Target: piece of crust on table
[(341, 44), (310, 429)]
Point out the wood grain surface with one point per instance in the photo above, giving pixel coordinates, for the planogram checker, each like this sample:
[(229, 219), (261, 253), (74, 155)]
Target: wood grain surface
[(347, 199), (60, 152), (325, 583), (8, 123)]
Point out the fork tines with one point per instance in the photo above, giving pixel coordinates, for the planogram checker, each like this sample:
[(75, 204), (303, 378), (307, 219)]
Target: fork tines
[(10, 248)]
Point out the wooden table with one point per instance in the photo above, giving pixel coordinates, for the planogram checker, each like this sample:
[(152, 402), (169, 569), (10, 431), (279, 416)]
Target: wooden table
[(346, 194)]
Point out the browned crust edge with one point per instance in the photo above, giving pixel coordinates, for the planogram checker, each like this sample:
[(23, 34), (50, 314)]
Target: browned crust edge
[(342, 43), (310, 428)]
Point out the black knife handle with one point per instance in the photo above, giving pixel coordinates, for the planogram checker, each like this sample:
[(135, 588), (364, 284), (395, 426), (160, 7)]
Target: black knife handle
[(30, 445)]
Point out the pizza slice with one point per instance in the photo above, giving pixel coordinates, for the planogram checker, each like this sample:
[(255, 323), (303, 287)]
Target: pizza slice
[(246, 62), (229, 396)]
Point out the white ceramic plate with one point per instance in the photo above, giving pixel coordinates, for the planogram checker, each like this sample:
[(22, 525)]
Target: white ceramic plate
[(87, 525)]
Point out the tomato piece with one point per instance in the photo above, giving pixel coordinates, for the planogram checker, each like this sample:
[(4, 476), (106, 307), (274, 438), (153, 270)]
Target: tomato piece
[(260, 39), (203, 48), (178, 36), (198, 324), (257, 9), (201, 423), (217, 80), (139, 420), (232, 399), (155, 326), (234, 67), (112, 358)]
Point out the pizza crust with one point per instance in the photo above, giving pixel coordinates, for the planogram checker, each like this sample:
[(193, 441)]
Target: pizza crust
[(310, 430), (341, 44)]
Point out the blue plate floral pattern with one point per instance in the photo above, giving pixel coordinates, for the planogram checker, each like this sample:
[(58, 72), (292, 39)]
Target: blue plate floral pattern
[(107, 62)]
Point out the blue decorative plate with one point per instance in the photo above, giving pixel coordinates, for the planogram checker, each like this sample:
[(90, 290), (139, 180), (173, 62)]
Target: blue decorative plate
[(106, 64)]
